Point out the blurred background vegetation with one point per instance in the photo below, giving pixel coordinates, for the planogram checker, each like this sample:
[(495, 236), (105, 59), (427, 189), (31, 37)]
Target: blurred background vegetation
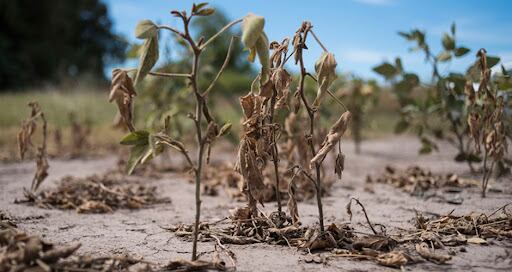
[(60, 53)]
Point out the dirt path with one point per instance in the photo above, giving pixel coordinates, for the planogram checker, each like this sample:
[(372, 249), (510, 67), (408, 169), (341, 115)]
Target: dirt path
[(139, 232)]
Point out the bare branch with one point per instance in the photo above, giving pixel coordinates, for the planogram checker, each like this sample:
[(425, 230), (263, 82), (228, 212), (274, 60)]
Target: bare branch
[(318, 40)]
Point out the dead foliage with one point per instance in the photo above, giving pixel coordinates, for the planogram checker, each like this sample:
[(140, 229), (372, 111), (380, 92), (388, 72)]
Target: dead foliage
[(96, 194), (80, 133), (20, 251), (417, 181), (24, 137)]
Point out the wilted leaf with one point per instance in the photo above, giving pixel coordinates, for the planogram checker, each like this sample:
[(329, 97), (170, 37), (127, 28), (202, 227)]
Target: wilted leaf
[(205, 12), (332, 138), (146, 29), (122, 92), (148, 58), (263, 56), (137, 153), (252, 28), (425, 252), (225, 129), (339, 165), (325, 68)]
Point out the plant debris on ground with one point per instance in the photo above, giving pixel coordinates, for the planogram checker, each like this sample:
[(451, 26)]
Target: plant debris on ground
[(417, 181), (96, 194), (20, 251)]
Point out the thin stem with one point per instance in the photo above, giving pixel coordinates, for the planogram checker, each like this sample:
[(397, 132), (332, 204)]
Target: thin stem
[(162, 74), (275, 151), (175, 31), (311, 114), (318, 40), (224, 65), (220, 32)]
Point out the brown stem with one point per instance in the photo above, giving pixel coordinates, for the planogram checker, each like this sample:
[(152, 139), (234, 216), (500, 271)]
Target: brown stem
[(275, 151), (311, 114), (484, 177)]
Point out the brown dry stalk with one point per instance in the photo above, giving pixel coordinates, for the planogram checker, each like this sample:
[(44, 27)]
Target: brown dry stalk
[(486, 120), (25, 140)]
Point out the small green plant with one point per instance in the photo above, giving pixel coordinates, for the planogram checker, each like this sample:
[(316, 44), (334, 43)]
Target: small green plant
[(146, 144)]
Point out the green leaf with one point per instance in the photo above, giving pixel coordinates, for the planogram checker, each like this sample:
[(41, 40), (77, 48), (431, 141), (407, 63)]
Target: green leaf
[(461, 51), (198, 7), (136, 154), (398, 65), (205, 12), (492, 61), (135, 138), (448, 42), (401, 126), (148, 58), (444, 56), (252, 28), (386, 70), (133, 51), (146, 29), (225, 129)]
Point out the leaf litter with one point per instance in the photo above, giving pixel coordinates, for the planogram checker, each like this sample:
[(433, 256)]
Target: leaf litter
[(97, 194)]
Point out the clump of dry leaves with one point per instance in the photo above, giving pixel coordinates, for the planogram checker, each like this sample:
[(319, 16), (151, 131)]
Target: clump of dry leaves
[(24, 137), (416, 180), (20, 251), (486, 120), (97, 194)]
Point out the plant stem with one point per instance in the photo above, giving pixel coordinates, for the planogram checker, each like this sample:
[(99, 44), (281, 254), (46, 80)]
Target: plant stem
[(275, 151), (311, 114), (220, 32)]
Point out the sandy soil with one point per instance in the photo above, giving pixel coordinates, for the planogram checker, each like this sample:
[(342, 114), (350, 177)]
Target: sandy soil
[(140, 232)]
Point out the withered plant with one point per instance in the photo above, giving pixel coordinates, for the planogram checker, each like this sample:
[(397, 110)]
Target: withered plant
[(486, 120), (24, 137), (259, 130), (325, 69), (147, 145)]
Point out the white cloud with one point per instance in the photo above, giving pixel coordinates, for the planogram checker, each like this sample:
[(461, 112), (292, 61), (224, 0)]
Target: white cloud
[(376, 2)]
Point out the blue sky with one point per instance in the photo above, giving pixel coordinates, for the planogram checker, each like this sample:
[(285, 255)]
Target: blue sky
[(361, 33)]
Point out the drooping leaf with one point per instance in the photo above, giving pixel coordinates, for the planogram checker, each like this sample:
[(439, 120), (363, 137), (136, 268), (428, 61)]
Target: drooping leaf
[(136, 154), (122, 92), (252, 28), (225, 129), (262, 46), (135, 138), (148, 58), (325, 68), (146, 29)]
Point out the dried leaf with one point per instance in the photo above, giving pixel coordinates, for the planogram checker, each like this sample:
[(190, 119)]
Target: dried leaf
[(122, 92), (339, 165), (427, 254), (146, 29), (263, 56), (325, 68), (395, 259), (148, 58), (332, 138)]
